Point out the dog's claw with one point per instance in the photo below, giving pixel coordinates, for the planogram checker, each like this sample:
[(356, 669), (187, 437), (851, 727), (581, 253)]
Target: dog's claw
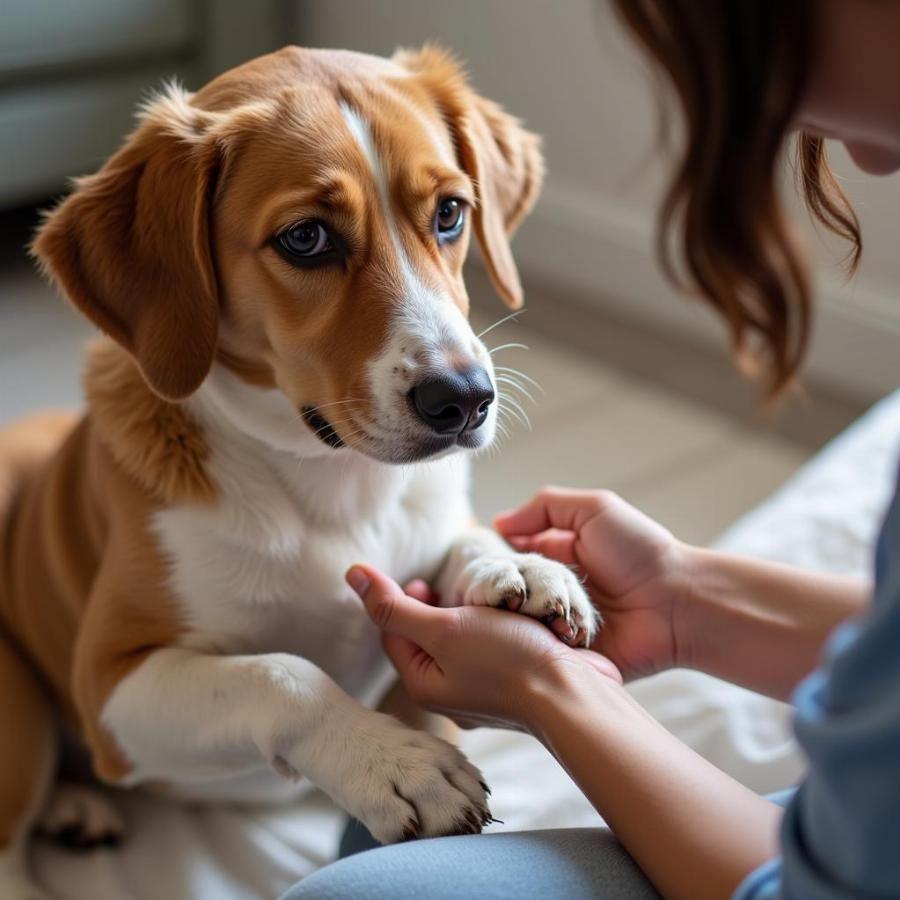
[(515, 601)]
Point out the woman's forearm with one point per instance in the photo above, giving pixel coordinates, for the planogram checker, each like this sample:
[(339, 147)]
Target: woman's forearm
[(761, 624), (694, 831)]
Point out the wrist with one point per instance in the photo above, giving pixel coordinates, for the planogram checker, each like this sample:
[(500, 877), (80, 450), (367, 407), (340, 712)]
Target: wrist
[(566, 684), (689, 574)]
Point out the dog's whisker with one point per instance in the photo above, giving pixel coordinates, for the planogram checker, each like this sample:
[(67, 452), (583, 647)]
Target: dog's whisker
[(518, 417), (329, 428), (347, 457), (334, 425), (502, 414), (353, 434), (343, 421), (337, 403), (510, 346), (497, 446), (314, 409), (516, 410), (509, 370), (505, 433), (511, 382), (499, 322), (502, 379), (526, 394)]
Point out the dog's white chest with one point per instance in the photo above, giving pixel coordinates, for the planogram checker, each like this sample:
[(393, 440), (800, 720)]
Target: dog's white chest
[(263, 571)]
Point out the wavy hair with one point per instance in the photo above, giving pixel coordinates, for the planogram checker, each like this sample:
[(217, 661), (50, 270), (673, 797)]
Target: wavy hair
[(739, 69)]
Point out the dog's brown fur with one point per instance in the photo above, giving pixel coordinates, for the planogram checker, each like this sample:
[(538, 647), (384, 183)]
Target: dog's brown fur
[(165, 250)]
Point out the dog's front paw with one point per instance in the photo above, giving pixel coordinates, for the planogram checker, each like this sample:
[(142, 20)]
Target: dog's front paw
[(534, 585), (82, 817), (404, 784)]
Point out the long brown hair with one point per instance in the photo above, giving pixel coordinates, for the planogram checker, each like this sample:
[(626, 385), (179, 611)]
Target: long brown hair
[(739, 69)]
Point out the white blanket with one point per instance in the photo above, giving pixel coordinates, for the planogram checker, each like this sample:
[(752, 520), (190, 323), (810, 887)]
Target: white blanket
[(825, 518)]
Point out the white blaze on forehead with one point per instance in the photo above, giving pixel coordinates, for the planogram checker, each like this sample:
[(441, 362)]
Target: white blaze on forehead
[(425, 313), (362, 132)]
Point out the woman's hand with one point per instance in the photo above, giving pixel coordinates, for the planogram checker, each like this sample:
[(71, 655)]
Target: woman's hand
[(637, 573), (476, 665)]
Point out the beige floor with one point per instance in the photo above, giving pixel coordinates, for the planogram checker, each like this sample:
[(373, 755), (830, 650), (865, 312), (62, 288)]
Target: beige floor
[(591, 426)]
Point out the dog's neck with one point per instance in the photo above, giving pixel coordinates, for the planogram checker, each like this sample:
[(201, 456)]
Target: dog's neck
[(259, 440)]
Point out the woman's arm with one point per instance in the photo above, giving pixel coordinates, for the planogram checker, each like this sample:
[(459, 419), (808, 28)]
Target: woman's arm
[(695, 832), (760, 624), (756, 623)]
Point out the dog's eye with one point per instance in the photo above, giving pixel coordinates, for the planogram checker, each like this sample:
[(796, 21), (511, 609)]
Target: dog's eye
[(306, 239), (449, 219)]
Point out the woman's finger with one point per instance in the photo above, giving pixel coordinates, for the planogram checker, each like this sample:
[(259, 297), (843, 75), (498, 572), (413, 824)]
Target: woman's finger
[(551, 507), (555, 543), (392, 610), (421, 590)]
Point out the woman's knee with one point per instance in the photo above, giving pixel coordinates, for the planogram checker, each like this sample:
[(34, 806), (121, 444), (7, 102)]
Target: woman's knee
[(576, 863)]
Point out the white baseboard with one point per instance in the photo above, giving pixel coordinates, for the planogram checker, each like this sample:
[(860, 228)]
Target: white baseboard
[(605, 255)]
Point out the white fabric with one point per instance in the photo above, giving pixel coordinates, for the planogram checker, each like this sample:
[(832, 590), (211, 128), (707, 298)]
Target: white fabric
[(825, 518)]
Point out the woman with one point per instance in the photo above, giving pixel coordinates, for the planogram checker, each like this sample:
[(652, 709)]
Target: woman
[(747, 73)]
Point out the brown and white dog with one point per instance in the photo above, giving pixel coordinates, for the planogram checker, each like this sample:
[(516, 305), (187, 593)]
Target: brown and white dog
[(276, 261)]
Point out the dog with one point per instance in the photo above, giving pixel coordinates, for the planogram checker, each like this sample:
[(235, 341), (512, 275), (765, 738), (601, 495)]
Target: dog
[(288, 384)]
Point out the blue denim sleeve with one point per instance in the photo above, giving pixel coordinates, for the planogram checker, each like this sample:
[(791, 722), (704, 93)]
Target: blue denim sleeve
[(840, 836)]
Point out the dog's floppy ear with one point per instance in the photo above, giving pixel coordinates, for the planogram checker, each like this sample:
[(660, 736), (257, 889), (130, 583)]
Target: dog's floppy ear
[(502, 158), (130, 247)]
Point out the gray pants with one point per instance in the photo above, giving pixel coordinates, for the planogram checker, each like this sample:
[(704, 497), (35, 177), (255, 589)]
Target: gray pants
[(570, 863)]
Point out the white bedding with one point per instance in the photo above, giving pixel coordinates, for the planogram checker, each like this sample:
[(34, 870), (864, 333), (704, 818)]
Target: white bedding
[(825, 517)]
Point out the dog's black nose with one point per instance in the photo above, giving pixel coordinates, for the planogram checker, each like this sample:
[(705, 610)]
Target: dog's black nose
[(453, 402)]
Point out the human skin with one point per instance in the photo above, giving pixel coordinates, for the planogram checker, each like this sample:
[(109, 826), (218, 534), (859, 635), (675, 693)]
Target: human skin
[(667, 604), (852, 95)]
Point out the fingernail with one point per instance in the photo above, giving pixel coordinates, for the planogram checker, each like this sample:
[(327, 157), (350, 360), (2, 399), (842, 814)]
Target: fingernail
[(358, 580)]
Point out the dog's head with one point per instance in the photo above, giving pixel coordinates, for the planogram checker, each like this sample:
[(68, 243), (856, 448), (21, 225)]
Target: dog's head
[(297, 230)]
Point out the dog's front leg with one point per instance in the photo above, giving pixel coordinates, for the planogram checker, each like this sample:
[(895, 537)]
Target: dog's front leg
[(184, 714), (483, 570)]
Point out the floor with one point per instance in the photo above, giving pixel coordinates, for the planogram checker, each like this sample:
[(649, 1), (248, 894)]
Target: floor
[(693, 468)]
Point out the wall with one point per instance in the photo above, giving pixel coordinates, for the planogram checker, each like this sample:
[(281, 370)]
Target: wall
[(567, 70)]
